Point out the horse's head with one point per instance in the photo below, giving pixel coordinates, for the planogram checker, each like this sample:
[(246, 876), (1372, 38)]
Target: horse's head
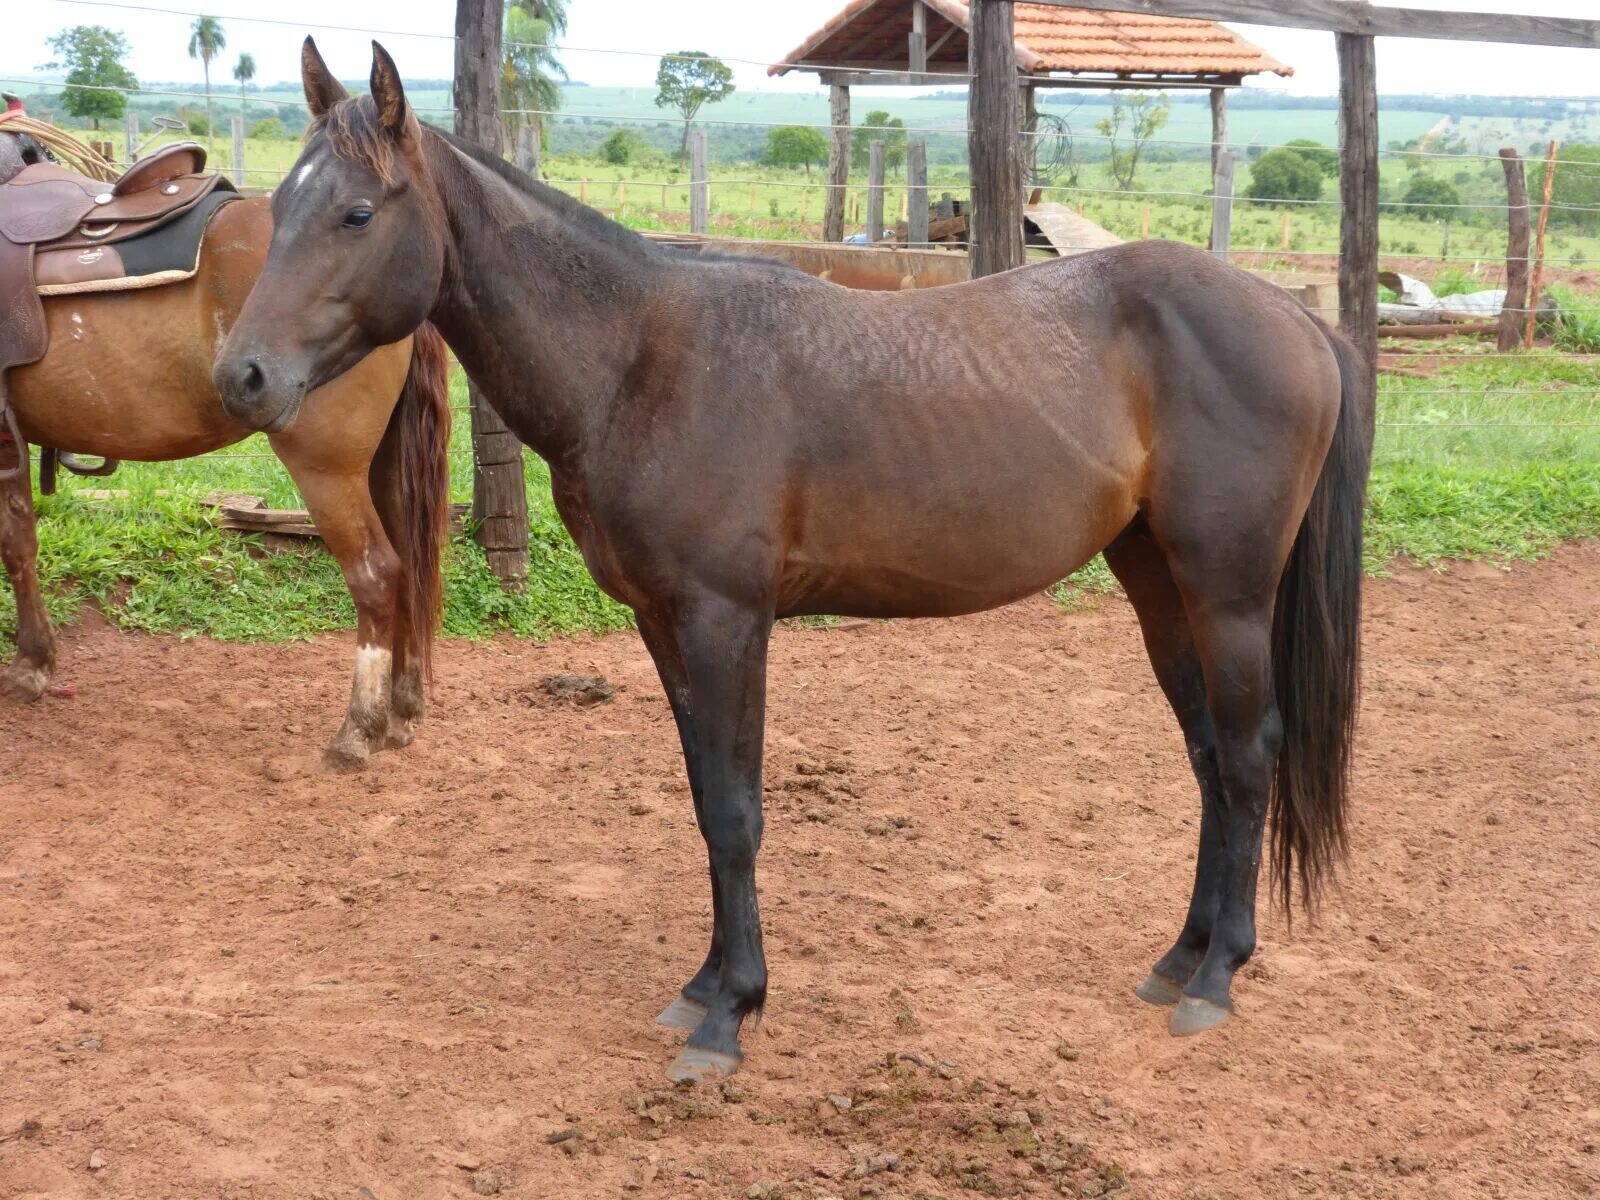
[(17, 149), (357, 255)]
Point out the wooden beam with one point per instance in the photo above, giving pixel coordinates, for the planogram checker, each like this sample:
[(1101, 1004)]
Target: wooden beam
[(1029, 144), (499, 490), (838, 163), (699, 183), (1219, 126), (917, 193), (892, 78), (944, 37), (1358, 193), (1516, 302), (1368, 20), (1222, 206), (918, 47), (992, 151), (875, 190)]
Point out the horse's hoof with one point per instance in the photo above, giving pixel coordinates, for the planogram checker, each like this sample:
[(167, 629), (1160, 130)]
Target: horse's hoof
[(401, 734), (345, 760), (1158, 989), (1194, 1015), (694, 1065), (682, 1013), (23, 685)]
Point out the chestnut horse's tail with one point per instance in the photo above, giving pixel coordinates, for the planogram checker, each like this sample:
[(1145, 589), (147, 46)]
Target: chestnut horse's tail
[(1316, 649), (419, 432)]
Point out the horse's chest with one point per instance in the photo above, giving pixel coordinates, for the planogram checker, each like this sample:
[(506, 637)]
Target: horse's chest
[(594, 540)]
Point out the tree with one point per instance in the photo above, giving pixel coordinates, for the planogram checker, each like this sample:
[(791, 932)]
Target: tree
[(1285, 174), (1427, 190), (1143, 113), (244, 72), (796, 146), (206, 41), (620, 146), (687, 80), (1325, 157), (532, 74), (92, 56), (270, 128), (879, 126)]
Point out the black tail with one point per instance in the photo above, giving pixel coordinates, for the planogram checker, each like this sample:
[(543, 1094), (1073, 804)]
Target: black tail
[(1316, 649), (421, 422)]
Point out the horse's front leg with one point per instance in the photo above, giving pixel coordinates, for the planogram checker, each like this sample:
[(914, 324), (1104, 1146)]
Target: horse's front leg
[(341, 505), (29, 673), (722, 650)]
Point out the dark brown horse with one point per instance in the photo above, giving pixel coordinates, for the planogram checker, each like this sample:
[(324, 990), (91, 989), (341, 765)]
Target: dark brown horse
[(128, 376), (731, 442)]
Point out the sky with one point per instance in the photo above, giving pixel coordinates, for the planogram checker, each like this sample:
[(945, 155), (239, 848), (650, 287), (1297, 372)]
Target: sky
[(617, 42)]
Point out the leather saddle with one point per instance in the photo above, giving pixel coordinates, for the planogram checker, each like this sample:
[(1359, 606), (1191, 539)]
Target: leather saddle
[(63, 233)]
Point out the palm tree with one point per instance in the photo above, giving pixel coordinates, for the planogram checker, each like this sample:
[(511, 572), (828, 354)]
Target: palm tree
[(206, 41), (244, 73), (530, 76)]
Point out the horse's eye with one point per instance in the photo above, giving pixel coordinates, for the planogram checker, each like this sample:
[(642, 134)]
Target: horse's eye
[(357, 218)]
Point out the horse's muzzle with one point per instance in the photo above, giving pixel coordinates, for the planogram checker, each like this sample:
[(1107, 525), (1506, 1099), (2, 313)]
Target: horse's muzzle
[(256, 393)]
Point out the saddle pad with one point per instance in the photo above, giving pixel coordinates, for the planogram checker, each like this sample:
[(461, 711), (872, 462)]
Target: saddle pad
[(167, 254)]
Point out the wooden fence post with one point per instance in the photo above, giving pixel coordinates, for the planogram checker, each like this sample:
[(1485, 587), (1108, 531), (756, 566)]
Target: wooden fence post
[(132, 127), (1222, 205), (917, 193), (838, 163), (875, 191), (993, 121), (1358, 195), (699, 184), (528, 148), (238, 151), (1538, 253), (1516, 304), (499, 491)]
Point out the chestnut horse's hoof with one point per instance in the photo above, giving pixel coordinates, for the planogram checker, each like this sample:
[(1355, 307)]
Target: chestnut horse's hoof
[(694, 1065), (344, 759), (682, 1013), (23, 685), (1158, 989), (1194, 1015)]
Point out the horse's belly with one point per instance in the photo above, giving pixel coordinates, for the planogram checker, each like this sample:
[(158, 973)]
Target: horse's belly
[(957, 557)]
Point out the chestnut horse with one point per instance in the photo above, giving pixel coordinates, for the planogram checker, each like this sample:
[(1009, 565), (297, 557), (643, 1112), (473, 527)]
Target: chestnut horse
[(128, 376), (731, 441)]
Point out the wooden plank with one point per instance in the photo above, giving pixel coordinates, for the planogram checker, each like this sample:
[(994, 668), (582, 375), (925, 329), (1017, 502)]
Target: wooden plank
[(838, 163), (1368, 20), (917, 193), (1443, 330), (918, 48), (892, 77), (1222, 206), (499, 493), (992, 151), (699, 183), (1358, 193), (1516, 250), (875, 190)]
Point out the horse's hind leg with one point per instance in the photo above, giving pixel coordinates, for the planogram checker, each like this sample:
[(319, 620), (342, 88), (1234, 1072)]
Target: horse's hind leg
[(408, 696), (341, 505), (29, 673), (1141, 568)]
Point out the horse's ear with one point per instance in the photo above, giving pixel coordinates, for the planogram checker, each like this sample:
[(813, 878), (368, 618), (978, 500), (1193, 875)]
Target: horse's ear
[(394, 114), (323, 91)]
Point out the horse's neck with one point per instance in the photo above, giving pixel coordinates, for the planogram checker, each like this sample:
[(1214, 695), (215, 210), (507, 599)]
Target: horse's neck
[(543, 320)]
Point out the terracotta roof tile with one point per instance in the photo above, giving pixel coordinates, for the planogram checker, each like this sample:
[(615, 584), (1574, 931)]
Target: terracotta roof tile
[(1048, 39)]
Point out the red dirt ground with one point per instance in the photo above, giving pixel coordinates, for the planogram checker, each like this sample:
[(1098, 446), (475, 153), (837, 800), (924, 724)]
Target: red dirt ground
[(980, 837)]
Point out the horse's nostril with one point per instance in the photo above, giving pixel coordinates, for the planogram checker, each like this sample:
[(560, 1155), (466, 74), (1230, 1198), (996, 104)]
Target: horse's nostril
[(253, 379)]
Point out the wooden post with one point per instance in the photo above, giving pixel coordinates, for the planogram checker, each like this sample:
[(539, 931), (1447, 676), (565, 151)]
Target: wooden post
[(1358, 195), (875, 192), (995, 228), (132, 127), (699, 184), (918, 56), (1286, 230), (1222, 205), (1029, 146), (622, 196), (752, 202), (663, 197), (1219, 127), (1516, 250), (805, 203), (583, 191), (917, 193), (1144, 224), (1538, 253), (238, 150), (499, 493), (838, 163), (528, 148)]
